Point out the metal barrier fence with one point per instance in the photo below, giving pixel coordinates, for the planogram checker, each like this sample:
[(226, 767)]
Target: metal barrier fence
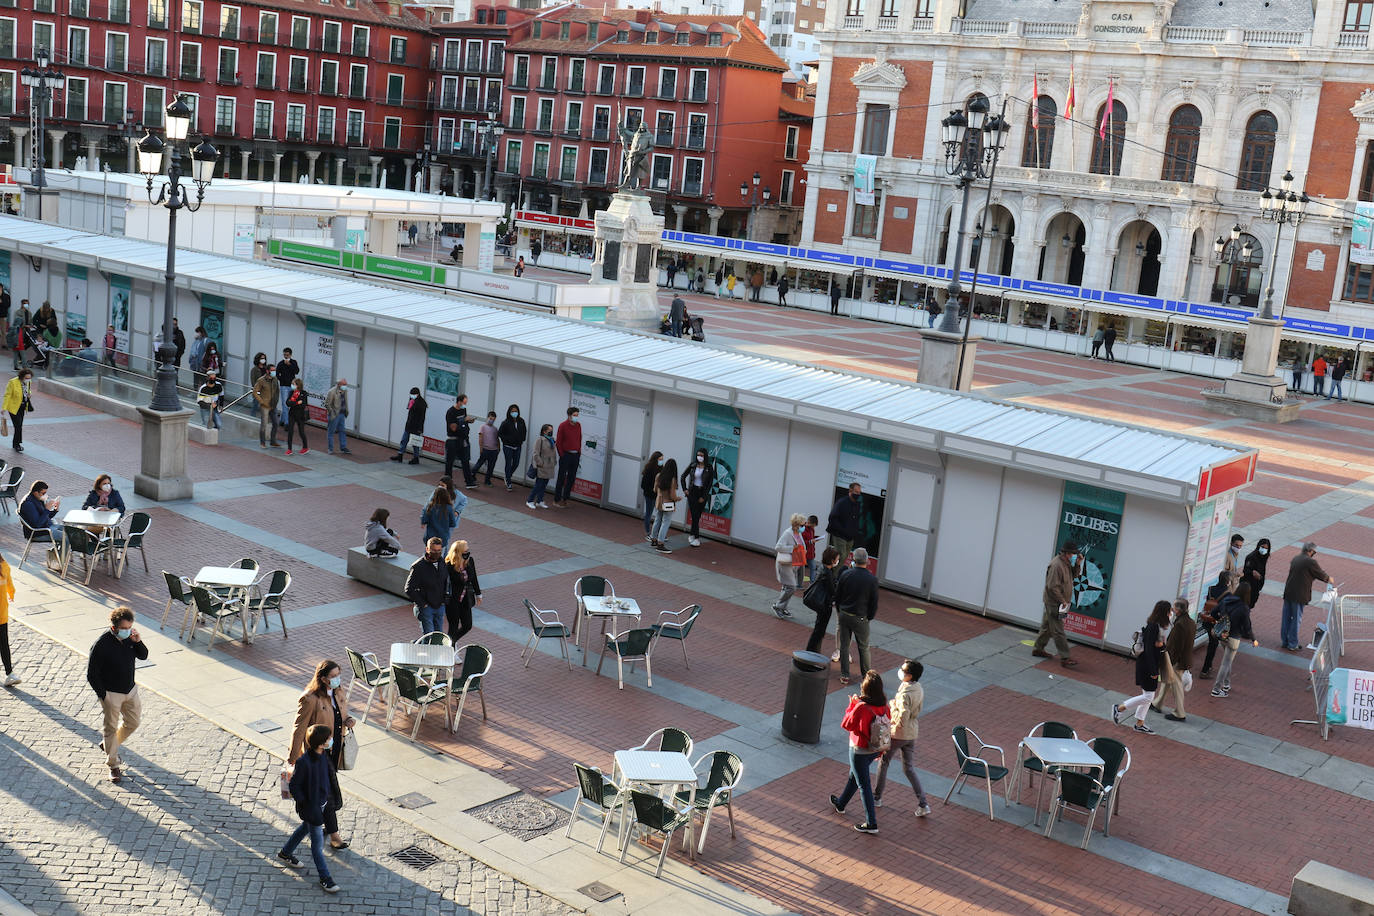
[(1354, 621), (1319, 676)]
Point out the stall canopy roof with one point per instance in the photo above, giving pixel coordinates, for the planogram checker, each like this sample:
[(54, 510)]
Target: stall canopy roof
[(1128, 458)]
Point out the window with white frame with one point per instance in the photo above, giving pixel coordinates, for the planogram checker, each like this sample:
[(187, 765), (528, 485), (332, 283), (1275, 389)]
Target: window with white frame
[(573, 124), (190, 60), (224, 115), (601, 122), (633, 118), (357, 81), (191, 11), (116, 51), (267, 28), (43, 36), (567, 165), (545, 122), (513, 148), (664, 124), (634, 81), (577, 75), (7, 38), (297, 69), (7, 84), (662, 172), (539, 168), (295, 122), (597, 166), (395, 89), (154, 105), (699, 80), (77, 99), (329, 37), (355, 127), (788, 187), (78, 45), (696, 131), (267, 70), (866, 216), (155, 57), (789, 148), (324, 130), (229, 22), (517, 112), (692, 172), (300, 32), (262, 119), (329, 77), (362, 37), (605, 79), (398, 49), (667, 83), (116, 96), (391, 133), (548, 78), (228, 66)]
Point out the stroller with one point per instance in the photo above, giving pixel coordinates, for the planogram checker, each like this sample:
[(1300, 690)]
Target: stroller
[(691, 324)]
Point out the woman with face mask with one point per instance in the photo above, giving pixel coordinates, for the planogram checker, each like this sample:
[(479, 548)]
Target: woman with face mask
[(1255, 568), (646, 486), (103, 495), (697, 481), (312, 785), (324, 703), (512, 434), (544, 460)]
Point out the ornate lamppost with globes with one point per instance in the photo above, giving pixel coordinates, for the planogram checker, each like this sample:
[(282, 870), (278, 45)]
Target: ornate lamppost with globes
[(163, 473), (1287, 206), (42, 82), (946, 352), (1226, 254)]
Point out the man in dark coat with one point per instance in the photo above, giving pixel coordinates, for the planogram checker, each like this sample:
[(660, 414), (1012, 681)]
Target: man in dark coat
[(843, 523), (415, 426)]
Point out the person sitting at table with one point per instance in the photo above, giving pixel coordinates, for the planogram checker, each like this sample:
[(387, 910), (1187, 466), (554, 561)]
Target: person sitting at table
[(103, 495), (379, 540), (38, 511)]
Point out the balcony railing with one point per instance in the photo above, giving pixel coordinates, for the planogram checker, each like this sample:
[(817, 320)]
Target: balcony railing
[(224, 130), (544, 127), (663, 137), (114, 114), (691, 189), (1353, 40), (298, 84), (329, 45), (601, 133), (263, 133), (885, 24), (697, 95), (1036, 29), (977, 27), (229, 31), (155, 68), (226, 78), (634, 90), (597, 178), (355, 139), (1192, 34), (696, 141), (605, 87), (116, 62), (265, 82), (296, 134), (190, 73), (852, 22)]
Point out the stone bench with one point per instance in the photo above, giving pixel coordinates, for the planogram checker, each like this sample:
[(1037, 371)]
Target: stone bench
[(386, 573), (1323, 890)]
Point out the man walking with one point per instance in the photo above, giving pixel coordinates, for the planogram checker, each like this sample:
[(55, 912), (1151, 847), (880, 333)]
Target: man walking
[(755, 285), (1297, 594), (458, 441), (427, 587), (178, 341), (1337, 376), (415, 427), (835, 294), (336, 416), (489, 446), (1109, 339), (1058, 601), (783, 287), (266, 392), (1178, 661), (1318, 375), (676, 313), (720, 280), (568, 441), (856, 601), (906, 710), (110, 672), (843, 523), (287, 370)]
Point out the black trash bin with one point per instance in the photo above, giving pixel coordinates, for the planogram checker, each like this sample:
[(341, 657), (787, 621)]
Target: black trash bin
[(805, 703)]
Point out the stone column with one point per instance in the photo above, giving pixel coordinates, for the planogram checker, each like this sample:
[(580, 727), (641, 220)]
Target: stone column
[(409, 183), (553, 206), (313, 155), (295, 170), (131, 144), (20, 135), (376, 162), (243, 164), (715, 213), (1173, 259), (276, 166), (679, 214), (1098, 250), (457, 184), (57, 136), (93, 155), (434, 184), (338, 170)]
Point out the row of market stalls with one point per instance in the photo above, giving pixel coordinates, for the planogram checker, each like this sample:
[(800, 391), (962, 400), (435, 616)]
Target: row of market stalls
[(965, 498)]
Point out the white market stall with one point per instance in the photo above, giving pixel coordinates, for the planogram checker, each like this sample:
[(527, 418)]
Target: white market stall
[(967, 497)]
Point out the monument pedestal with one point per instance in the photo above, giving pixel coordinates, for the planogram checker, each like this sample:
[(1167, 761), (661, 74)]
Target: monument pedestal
[(627, 238), (163, 469), (1256, 392), (940, 352)]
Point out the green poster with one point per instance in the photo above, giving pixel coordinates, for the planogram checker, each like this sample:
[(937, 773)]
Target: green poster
[(443, 378), (592, 398), (76, 306), (212, 320), (718, 431), (1091, 518), (121, 303), (5, 273), (865, 461)]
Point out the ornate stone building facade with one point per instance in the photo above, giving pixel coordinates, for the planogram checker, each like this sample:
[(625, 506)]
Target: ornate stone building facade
[(1210, 104)]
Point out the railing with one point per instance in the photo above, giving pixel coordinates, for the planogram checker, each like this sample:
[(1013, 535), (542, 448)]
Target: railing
[(1047, 29), (698, 141), (1193, 34), (1276, 38), (154, 68), (116, 62), (923, 24), (663, 137), (190, 73), (852, 22), (297, 84), (601, 133), (266, 82), (230, 32), (224, 130), (262, 133), (979, 27), (605, 87), (227, 79), (1352, 40), (887, 23), (691, 189)]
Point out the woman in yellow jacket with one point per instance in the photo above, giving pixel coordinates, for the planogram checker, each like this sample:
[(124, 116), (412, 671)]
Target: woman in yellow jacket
[(6, 596), (18, 401), (325, 703)]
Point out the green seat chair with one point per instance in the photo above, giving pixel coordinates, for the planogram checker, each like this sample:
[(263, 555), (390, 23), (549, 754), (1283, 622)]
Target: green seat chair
[(722, 779), (631, 646), (470, 680), (599, 793), (1080, 792), (139, 523), (545, 625), (972, 764), (178, 592), (677, 625), (413, 689), (657, 816), (1116, 759), (367, 671), (219, 610)]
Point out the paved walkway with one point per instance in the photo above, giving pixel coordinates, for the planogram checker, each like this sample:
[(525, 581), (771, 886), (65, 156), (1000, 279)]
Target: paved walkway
[(301, 514)]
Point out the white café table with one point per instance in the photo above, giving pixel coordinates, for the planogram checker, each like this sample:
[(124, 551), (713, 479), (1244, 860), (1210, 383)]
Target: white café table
[(661, 769), (418, 655), (234, 578), (607, 608), (1066, 753), (103, 521)]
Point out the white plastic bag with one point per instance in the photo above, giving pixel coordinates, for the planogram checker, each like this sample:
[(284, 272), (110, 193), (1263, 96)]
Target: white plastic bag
[(1187, 681)]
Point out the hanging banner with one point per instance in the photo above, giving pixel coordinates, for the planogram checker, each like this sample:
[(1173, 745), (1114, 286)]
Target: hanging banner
[(718, 431), (120, 305), (212, 320), (1362, 234), (76, 306), (1192, 582), (1090, 517), (864, 461), (317, 367), (865, 168), (5, 276), (592, 398), (1350, 698), (443, 374), (1219, 538), (243, 240), (486, 253)]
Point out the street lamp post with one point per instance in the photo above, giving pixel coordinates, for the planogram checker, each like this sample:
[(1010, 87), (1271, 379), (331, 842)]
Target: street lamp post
[(744, 191), (164, 421), (1226, 254), (490, 131), (41, 81), (1281, 208)]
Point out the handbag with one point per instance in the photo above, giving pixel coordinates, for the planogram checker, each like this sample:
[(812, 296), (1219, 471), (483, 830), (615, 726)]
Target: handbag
[(532, 473), (1187, 681), (817, 595), (1221, 630), (348, 759), (799, 555), (4, 425), (669, 506)]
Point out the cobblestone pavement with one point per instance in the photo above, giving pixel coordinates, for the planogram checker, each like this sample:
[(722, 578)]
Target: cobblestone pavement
[(195, 824)]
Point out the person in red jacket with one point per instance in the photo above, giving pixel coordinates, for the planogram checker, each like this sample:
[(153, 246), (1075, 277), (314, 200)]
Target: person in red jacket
[(569, 445), (867, 705), (1318, 375)]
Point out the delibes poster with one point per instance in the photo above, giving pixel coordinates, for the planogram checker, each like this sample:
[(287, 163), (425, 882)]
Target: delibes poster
[(1091, 518), (318, 363), (592, 398), (718, 429), (1350, 698), (121, 304), (443, 372)]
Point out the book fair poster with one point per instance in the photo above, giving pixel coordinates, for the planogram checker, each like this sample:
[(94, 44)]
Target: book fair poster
[(718, 431), (5, 276), (443, 377), (317, 363), (121, 292), (212, 320), (76, 306), (592, 398), (1350, 698), (864, 461), (1091, 518)]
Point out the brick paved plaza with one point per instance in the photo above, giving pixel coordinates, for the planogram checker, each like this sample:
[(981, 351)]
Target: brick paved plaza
[(1217, 814)]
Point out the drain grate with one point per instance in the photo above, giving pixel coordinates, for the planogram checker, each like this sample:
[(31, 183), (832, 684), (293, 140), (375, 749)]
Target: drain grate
[(413, 800), (522, 816), (263, 726), (599, 892), (417, 858), (281, 485)]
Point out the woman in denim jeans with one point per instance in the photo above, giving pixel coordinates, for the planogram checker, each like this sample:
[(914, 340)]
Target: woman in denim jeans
[(666, 498), (867, 705), (310, 787)]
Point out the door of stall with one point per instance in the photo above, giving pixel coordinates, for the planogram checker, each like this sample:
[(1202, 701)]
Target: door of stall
[(908, 547), (629, 443)]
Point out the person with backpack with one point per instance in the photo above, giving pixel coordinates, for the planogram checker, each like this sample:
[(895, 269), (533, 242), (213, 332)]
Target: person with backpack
[(869, 723), (1148, 664), (1178, 662), (1225, 585), (906, 709), (1233, 625)]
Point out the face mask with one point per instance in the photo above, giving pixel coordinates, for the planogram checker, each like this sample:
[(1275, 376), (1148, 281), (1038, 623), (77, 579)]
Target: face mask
[(123, 633), (1264, 551), (701, 459), (329, 745), (514, 414), (335, 682), (271, 373), (105, 488), (854, 497), (1073, 558)]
